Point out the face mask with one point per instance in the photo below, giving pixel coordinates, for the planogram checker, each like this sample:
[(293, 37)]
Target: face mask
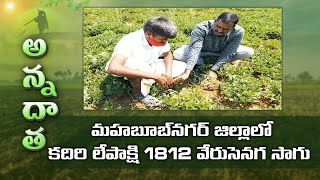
[(154, 42)]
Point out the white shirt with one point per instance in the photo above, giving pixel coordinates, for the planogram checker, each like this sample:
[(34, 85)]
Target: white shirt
[(136, 48), (143, 57)]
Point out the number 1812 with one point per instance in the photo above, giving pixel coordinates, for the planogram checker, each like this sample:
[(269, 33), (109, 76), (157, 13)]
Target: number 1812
[(161, 153)]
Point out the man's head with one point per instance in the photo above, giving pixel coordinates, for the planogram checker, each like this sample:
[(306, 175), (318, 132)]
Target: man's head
[(225, 23), (159, 30)]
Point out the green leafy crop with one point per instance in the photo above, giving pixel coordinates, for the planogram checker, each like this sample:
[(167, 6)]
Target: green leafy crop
[(254, 83)]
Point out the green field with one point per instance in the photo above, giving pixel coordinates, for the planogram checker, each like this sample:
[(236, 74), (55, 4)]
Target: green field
[(253, 84)]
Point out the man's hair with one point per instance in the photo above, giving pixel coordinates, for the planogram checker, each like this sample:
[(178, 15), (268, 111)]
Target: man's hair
[(161, 26), (228, 17)]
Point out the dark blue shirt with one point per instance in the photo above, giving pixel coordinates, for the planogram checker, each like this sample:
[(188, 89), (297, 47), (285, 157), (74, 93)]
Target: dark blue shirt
[(204, 40)]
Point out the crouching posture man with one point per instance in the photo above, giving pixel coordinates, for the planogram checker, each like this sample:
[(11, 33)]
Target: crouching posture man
[(144, 57), (218, 39)]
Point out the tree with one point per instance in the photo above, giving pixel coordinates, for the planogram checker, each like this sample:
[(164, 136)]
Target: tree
[(76, 76), (289, 78), (63, 74), (69, 73), (58, 73), (305, 76)]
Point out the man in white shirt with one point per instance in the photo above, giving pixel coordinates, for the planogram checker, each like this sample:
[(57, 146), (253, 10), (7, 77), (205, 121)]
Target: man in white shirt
[(137, 58)]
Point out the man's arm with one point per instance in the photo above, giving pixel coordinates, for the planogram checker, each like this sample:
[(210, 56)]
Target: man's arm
[(117, 67), (195, 46), (229, 51), (168, 59)]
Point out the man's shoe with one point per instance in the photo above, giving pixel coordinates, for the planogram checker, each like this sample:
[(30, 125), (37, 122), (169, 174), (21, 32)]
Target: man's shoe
[(212, 74), (148, 100)]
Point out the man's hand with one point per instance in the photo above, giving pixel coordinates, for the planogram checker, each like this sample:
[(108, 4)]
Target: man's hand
[(182, 77), (170, 82), (162, 81)]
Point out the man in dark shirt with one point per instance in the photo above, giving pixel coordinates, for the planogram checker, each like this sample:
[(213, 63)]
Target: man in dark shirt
[(218, 39)]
